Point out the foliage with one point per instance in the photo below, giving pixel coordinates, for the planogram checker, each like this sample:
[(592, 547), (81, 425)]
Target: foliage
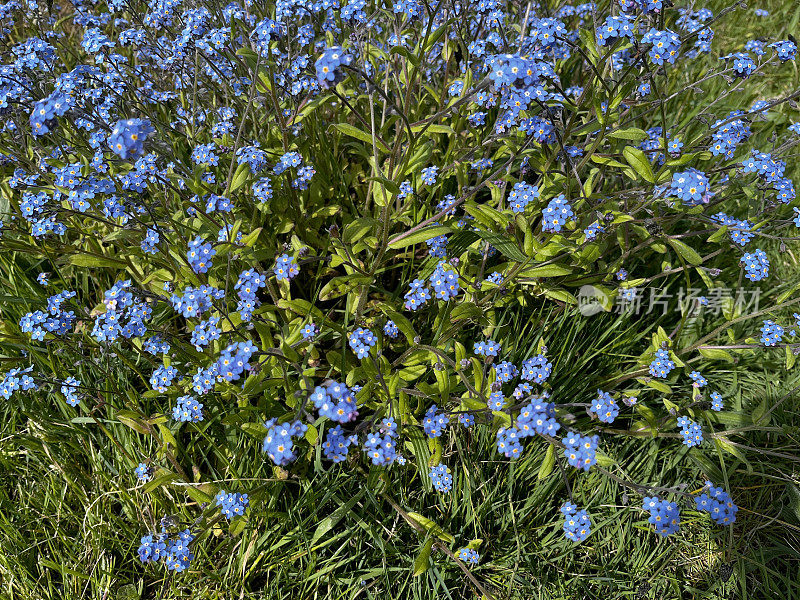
[(286, 286)]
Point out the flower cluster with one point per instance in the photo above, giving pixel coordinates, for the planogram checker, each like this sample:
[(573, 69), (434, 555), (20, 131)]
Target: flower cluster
[(381, 446), (127, 137), (327, 64), (337, 444), (468, 556), (771, 333), (278, 444), (580, 450), (691, 186), (441, 478), (691, 431), (537, 417), (664, 516), (434, 423), (200, 254), (285, 267), (487, 348), (661, 365), (143, 473), (577, 524), (231, 504), (335, 401), (188, 410), (604, 407), (521, 195), (536, 369), (718, 504), (174, 551), (699, 380), (556, 214), (361, 341), (664, 45)]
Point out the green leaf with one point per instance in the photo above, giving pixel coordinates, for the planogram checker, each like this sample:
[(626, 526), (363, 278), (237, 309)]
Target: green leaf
[(725, 444), (420, 236), (716, 354), (159, 481), (504, 245), (423, 558), (547, 463), (638, 160), (632, 133), (761, 412), (329, 522), (546, 271), (434, 129), (561, 296), (432, 528), (360, 135), (604, 460), (604, 160), (785, 295), (661, 387), (686, 252), (718, 234), (256, 430), (240, 177), (94, 260), (406, 54), (166, 435)]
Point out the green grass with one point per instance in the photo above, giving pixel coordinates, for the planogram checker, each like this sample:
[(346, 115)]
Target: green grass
[(71, 514)]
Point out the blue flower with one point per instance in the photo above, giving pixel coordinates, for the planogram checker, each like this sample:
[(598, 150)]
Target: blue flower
[(381, 445), (232, 504), (605, 407), (756, 265), (580, 451), (337, 444), (70, 389), (285, 267), (556, 214), (664, 516), (390, 329), (127, 137), (143, 472), (187, 410), (199, 255), (441, 478), (434, 422), (509, 442), (335, 401), (468, 556), (278, 444), (718, 504), (328, 63), (691, 432), (577, 524), (699, 380), (308, 331), (489, 348), (361, 341), (661, 365), (691, 186), (771, 333), (429, 175)]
